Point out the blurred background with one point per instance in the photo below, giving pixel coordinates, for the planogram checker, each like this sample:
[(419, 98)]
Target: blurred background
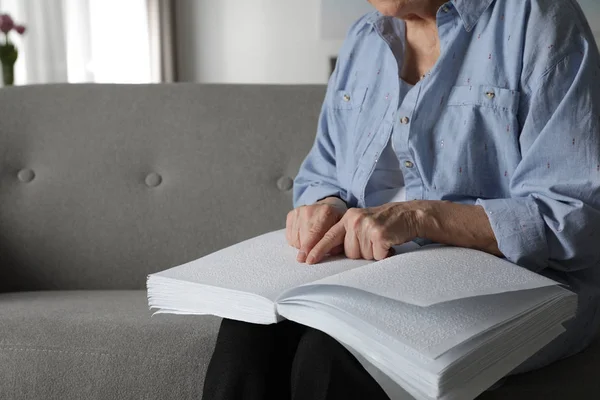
[(209, 41)]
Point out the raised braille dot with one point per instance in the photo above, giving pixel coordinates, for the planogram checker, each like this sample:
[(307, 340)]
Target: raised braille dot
[(153, 179), (26, 175)]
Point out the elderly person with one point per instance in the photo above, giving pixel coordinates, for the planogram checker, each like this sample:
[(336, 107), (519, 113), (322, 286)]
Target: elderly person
[(472, 123)]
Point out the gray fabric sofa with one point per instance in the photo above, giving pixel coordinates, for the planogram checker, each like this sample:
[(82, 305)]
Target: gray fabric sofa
[(101, 185)]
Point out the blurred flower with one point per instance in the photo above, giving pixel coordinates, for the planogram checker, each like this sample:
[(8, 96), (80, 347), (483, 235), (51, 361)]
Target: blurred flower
[(8, 51), (6, 23)]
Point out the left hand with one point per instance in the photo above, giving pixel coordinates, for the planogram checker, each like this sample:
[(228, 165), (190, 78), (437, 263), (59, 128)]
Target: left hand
[(370, 233)]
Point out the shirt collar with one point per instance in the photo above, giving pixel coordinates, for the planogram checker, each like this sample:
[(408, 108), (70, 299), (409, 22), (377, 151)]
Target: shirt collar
[(373, 17), (470, 11)]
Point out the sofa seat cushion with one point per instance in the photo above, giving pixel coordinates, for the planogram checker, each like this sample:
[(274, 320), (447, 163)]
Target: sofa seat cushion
[(99, 345), (105, 345)]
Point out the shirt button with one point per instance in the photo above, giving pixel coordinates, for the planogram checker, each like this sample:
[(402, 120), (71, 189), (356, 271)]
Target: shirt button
[(445, 8), (408, 164), (346, 97), (490, 95), (404, 120)]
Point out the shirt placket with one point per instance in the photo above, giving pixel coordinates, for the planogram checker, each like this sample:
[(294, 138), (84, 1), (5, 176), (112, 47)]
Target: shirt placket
[(403, 128), (369, 160), (371, 157)]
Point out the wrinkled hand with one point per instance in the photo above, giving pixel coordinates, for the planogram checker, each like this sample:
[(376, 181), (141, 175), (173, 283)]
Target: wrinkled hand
[(306, 225), (369, 233)]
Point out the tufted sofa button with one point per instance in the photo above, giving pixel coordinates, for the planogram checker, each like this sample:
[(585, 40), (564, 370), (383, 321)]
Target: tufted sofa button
[(26, 175), (153, 179), (285, 183)]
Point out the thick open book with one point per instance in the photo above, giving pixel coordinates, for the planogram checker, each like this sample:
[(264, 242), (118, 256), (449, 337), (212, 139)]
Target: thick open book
[(441, 322)]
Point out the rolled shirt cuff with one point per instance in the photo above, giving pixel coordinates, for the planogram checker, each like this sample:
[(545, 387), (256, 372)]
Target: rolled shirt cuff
[(312, 194), (520, 231)]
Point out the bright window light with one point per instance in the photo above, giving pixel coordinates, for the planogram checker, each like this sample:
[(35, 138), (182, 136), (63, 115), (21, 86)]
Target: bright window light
[(104, 41), (120, 49)]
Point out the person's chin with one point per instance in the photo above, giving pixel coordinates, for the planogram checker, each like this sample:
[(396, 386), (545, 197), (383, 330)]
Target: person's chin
[(391, 11)]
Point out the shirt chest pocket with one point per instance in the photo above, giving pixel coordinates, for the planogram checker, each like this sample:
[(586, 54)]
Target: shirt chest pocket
[(343, 118), (349, 99), (484, 96), (476, 135)]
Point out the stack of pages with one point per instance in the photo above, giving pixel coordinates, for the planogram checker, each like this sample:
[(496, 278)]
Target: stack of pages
[(441, 322)]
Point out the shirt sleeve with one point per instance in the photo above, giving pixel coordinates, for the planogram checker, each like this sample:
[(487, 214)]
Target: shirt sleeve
[(317, 177), (553, 216)]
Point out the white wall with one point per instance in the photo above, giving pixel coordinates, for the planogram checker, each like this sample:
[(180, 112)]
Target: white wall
[(266, 41), (252, 41), (592, 10)]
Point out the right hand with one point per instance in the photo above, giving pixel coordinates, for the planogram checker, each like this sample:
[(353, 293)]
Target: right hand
[(306, 225)]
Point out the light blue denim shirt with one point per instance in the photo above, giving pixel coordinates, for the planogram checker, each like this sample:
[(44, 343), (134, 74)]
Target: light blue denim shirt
[(508, 118), (386, 184)]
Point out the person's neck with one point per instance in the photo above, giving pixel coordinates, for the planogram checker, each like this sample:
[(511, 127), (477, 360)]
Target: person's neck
[(422, 48), (422, 35), (421, 24)]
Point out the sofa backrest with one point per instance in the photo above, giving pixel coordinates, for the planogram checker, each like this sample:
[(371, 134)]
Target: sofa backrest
[(101, 185)]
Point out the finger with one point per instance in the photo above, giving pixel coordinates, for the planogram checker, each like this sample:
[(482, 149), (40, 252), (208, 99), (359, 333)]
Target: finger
[(367, 254), (337, 250), (305, 233), (314, 231), (333, 237), (381, 251), (288, 227), (366, 246), (295, 229), (352, 245)]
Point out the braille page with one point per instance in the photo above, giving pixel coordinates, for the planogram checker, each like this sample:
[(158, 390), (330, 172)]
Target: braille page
[(265, 266), (437, 274), (430, 331)]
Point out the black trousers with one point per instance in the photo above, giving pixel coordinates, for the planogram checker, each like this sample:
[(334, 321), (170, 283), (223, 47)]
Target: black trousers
[(284, 361)]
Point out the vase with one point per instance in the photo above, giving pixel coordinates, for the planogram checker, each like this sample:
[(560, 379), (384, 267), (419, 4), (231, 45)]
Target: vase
[(8, 74), (8, 58)]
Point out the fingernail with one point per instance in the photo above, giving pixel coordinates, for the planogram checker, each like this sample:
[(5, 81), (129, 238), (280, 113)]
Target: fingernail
[(301, 256), (310, 260)]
